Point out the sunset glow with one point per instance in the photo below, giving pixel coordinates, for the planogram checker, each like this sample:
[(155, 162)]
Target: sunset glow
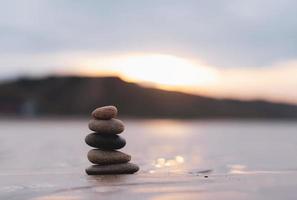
[(193, 76), (241, 50), (163, 71)]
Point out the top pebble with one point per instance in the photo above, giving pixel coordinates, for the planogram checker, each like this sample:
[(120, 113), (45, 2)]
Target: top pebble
[(105, 112)]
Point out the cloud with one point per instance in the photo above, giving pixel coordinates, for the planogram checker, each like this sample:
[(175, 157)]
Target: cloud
[(252, 44), (224, 33)]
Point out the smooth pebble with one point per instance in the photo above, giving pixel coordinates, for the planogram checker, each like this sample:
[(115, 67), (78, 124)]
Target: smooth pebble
[(105, 141), (106, 157), (112, 126), (126, 168), (105, 112)]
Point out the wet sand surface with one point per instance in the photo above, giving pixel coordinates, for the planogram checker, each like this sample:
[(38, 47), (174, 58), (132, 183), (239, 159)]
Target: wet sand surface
[(179, 159)]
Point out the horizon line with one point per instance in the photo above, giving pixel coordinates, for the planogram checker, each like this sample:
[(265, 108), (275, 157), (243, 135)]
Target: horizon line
[(143, 85)]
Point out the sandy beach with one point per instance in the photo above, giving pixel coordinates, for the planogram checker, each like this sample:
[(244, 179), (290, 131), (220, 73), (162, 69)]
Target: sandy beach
[(179, 159)]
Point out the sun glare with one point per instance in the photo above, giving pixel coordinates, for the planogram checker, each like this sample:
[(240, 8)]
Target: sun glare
[(164, 71)]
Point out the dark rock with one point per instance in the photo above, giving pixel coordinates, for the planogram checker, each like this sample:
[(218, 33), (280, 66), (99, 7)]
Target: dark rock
[(107, 157), (125, 168), (105, 141)]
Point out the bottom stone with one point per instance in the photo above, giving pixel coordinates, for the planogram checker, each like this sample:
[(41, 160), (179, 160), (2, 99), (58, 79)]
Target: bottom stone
[(124, 168)]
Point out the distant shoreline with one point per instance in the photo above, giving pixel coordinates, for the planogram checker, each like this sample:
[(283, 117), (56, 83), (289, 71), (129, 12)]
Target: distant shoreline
[(73, 96), (86, 118)]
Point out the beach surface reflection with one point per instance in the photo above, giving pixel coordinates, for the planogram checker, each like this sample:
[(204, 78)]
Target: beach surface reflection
[(179, 159)]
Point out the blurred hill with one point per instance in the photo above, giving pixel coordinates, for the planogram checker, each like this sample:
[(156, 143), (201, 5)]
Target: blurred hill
[(80, 95)]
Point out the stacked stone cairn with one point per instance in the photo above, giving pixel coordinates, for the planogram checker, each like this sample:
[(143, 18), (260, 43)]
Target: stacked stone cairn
[(106, 140)]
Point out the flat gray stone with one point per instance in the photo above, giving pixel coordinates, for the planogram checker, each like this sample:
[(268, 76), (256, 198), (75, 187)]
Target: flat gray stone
[(106, 157), (112, 126), (105, 112), (126, 168), (105, 141)]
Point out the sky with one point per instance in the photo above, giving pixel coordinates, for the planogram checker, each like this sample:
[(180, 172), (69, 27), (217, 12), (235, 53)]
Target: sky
[(225, 48)]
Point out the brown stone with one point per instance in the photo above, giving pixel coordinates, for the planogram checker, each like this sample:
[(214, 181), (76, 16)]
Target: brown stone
[(106, 157), (112, 126), (105, 112), (125, 168)]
